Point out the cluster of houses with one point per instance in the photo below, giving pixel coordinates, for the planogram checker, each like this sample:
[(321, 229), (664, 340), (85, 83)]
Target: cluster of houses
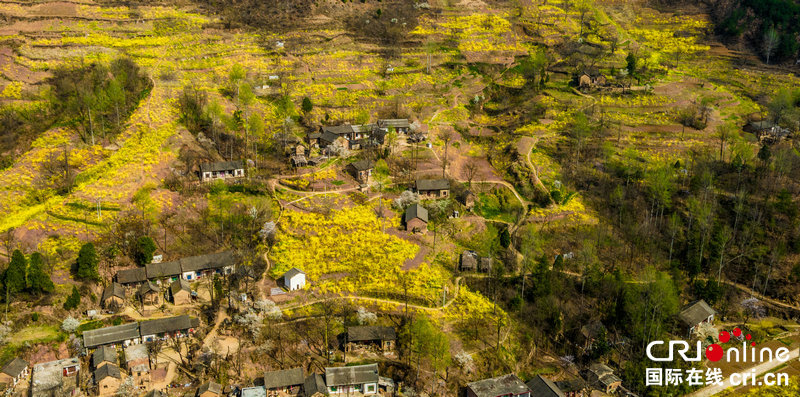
[(596, 376)]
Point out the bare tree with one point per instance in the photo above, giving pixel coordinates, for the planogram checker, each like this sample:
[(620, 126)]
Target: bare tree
[(471, 169), (771, 40)]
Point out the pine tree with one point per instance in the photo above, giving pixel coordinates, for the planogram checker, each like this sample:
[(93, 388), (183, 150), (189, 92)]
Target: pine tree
[(73, 300), (87, 263), (14, 277), (38, 280)]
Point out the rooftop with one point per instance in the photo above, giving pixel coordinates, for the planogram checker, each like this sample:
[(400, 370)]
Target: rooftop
[(293, 272), (207, 261), (416, 211), (115, 289), (179, 284), (163, 325), (283, 378), (222, 166), (499, 386), (256, 391), (108, 370), (362, 165), (104, 354), (357, 374), (432, 184), (696, 313), (212, 387), (163, 269), (110, 335), (135, 275), (136, 352), (370, 332), (314, 384), (543, 387), (14, 367)]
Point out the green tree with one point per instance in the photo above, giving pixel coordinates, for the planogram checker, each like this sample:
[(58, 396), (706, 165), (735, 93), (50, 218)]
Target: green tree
[(145, 247), (307, 105), (14, 277), (38, 280), (86, 264), (73, 300), (630, 64)]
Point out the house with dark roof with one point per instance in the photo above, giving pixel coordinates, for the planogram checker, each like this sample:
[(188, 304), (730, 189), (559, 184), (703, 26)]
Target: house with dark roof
[(361, 170), (55, 378), (432, 188), (104, 355), (198, 266), (590, 78), (131, 277), (602, 377), (113, 297), (149, 293), (137, 361), (696, 314), (169, 327), (107, 379), (164, 270), (180, 293), (294, 279), (209, 389), (470, 261), (574, 387), (505, 386), (416, 219), (125, 334), (401, 126), (543, 387), (354, 379), (286, 382), (13, 372), (314, 386), (221, 170), (369, 336)]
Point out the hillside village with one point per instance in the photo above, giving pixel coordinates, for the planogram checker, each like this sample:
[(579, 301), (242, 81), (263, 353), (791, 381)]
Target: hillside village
[(397, 198)]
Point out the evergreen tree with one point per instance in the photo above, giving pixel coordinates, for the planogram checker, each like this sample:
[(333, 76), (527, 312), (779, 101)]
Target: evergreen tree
[(87, 263), (38, 280), (307, 105), (145, 247), (73, 300), (14, 277)]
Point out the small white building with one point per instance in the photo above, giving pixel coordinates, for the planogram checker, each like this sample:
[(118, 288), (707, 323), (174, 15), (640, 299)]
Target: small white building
[(294, 279)]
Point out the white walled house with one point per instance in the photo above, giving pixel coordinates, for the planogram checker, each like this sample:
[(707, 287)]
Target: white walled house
[(221, 170), (294, 279)]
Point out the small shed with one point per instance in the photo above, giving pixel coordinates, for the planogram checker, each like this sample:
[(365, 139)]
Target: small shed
[(149, 294), (113, 297), (107, 379), (294, 279), (180, 292), (602, 377), (383, 338), (14, 371), (361, 170), (695, 314), (103, 356), (416, 219), (209, 389)]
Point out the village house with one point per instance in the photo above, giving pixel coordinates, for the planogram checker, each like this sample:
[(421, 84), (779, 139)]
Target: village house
[(602, 377), (368, 336), (137, 361), (470, 261), (506, 386), (163, 328), (55, 378), (113, 298), (104, 355), (149, 294), (166, 271), (591, 78), (432, 188), (401, 126), (696, 314), (543, 387), (287, 382), (255, 391), (125, 335), (294, 279), (13, 372), (574, 387), (194, 267), (298, 160), (416, 219), (209, 389), (107, 379), (355, 379), (361, 170), (767, 132), (221, 170), (314, 386), (180, 293), (131, 277)]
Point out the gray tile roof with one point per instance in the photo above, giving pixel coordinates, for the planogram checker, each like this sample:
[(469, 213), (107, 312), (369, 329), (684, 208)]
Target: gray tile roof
[(179, 284), (696, 313), (370, 332), (362, 165), (14, 367), (128, 276), (208, 261), (338, 129), (416, 211), (355, 375), (396, 123), (432, 184), (293, 272), (163, 325), (314, 384), (222, 166), (104, 354), (164, 269), (106, 371), (499, 386), (148, 288), (213, 387), (604, 374), (115, 289), (543, 387), (110, 335), (283, 378)]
